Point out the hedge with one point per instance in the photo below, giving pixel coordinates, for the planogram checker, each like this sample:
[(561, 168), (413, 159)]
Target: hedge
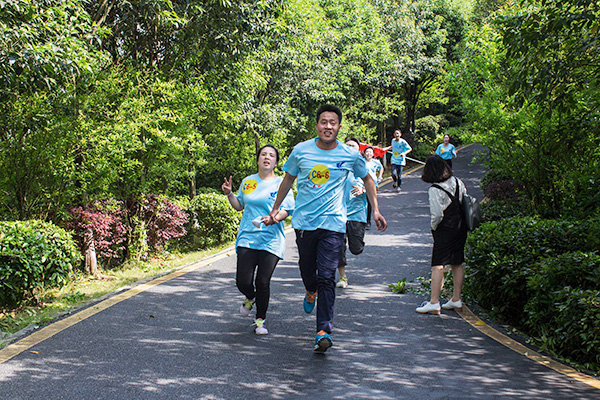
[(212, 221), (33, 254), (542, 276)]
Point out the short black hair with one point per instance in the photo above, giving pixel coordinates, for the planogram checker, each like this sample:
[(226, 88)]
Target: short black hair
[(354, 139), (436, 170), (271, 146), (330, 108)]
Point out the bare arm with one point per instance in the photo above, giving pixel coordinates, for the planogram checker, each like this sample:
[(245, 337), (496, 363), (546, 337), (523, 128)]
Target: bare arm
[(276, 215), (372, 196), (227, 188)]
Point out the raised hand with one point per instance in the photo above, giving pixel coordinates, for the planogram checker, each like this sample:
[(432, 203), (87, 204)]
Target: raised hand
[(227, 187)]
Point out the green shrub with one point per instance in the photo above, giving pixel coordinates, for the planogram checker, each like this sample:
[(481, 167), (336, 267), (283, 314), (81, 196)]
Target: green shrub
[(578, 270), (33, 254), (212, 221), (574, 332), (496, 210), (502, 255)]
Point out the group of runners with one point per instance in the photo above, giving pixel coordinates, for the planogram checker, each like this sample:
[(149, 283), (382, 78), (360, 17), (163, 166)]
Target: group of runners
[(336, 196)]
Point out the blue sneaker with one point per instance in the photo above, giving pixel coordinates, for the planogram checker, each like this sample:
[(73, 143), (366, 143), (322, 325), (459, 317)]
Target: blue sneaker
[(322, 342), (309, 301)]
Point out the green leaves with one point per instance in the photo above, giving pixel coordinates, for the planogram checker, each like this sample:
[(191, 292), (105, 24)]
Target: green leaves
[(33, 254)]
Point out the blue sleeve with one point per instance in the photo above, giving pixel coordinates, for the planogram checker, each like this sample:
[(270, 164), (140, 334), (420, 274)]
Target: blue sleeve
[(360, 167), (291, 165), (289, 203)]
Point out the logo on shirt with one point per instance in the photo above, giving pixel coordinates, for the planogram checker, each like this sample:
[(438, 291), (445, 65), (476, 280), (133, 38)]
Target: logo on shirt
[(319, 174), (249, 186), (396, 154), (272, 195), (340, 164)]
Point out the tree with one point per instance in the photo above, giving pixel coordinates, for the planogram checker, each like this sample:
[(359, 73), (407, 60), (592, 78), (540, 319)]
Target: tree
[(538, 111), (45, 50)]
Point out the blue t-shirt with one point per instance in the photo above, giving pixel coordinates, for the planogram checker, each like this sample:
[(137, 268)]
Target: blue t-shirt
[(445, 152), (321, 180), (356, 205), (399, 147), (373, 167), (257, 197)]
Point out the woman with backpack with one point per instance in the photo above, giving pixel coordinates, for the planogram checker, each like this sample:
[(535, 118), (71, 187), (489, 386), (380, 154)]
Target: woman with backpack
[(449, 233)]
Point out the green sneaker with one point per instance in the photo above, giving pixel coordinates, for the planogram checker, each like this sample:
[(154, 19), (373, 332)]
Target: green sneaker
[(246, 307), (260, 327), (343, 282)]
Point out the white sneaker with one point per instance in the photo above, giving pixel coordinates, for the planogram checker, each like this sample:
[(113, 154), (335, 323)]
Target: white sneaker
[(343, 282), (260, 327), (453, 305), (246, 307), (428, 308)]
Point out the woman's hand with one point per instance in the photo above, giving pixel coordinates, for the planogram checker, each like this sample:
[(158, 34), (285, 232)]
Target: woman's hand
[(227, 187), (358, 190)]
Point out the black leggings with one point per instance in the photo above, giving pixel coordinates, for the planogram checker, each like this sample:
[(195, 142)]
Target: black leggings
[(247, 261)]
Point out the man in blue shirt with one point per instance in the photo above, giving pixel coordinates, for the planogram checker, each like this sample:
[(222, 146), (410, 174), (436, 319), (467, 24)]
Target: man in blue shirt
[(400, 148), (322, 166)]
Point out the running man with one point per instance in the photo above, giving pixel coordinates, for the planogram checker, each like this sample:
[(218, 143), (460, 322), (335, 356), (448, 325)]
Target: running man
[(400, 148), (322, 166)]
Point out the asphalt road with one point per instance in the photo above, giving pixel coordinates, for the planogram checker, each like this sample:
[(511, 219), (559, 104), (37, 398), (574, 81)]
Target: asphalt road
[(184, 338)]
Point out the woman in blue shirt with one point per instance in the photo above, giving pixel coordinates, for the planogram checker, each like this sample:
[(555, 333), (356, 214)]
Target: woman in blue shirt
[(446, 150), (259, 247)]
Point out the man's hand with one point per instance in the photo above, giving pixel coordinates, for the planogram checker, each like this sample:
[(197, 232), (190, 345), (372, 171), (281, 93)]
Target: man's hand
[(380, 221)]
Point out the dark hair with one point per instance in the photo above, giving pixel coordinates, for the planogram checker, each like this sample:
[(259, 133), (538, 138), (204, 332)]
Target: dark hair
[(370, 147), (330, 108), (399, 131), (353, 139), (271, 146), (436, 170)]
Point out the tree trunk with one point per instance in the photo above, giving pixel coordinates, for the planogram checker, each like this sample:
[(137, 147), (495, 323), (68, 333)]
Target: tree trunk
[(91, 262)]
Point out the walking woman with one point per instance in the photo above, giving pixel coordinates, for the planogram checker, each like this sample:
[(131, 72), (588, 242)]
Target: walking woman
[(449, 232), (259, 247)]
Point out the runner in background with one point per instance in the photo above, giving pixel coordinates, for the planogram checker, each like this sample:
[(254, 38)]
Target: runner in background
[(376, 172), (400, 148), (447, 151), (356, 202)]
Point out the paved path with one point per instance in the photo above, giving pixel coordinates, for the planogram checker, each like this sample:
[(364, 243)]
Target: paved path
[(181, 337)]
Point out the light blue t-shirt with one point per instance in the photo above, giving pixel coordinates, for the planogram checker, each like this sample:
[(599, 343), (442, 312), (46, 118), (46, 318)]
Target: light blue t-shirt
[(445, 152), (373, 167), (321, 180), (399, 147), (356, 205), (257, 197)]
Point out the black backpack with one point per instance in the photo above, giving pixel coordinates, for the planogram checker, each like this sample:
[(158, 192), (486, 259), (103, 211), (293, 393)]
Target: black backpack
[(470, 209)]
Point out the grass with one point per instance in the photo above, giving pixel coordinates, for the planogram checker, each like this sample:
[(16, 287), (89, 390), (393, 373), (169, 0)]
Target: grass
[(84, 288)]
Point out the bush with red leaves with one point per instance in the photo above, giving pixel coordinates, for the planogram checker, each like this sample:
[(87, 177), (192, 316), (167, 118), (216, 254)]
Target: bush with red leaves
[(164, 221), (105, 221)]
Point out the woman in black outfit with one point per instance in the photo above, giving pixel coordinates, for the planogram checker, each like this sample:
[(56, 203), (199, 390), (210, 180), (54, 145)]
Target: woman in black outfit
[(449, 233)]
